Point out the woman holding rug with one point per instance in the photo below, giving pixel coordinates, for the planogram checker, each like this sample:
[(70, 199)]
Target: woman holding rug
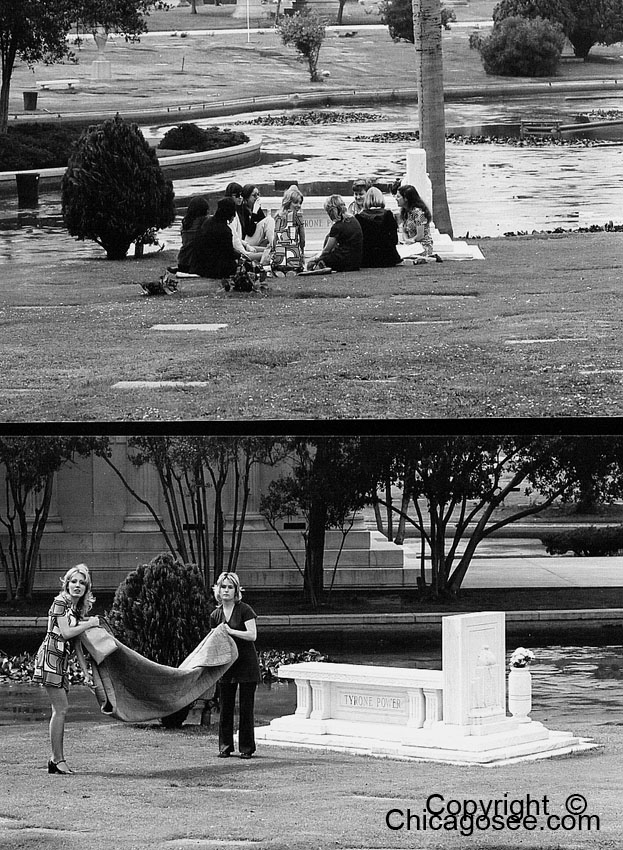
[(67, 619), (240, 624)]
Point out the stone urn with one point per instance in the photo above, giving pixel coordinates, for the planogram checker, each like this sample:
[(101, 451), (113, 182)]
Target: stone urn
[(100, 40), (520, 693)]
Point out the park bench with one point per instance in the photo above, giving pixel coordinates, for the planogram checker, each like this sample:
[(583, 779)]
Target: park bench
[(53, 85), (539, 127)]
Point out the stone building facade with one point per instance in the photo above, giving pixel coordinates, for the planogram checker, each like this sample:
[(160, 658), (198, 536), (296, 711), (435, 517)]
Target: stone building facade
[(95, 520)]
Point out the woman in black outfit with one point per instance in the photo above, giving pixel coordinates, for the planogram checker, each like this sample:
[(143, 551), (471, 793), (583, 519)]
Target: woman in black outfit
[(380, 232), (213, 253), (240, 623)]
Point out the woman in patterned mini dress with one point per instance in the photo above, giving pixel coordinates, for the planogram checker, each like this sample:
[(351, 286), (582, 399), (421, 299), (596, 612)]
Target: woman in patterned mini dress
[(66, 620)]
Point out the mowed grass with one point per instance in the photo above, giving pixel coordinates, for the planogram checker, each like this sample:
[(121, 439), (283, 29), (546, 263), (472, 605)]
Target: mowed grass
[(533, 330)]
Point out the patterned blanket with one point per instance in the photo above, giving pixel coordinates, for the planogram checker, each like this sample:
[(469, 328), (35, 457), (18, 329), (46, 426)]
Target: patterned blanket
[(133, 689)]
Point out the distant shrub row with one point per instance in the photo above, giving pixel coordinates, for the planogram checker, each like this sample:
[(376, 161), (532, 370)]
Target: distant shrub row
[(43, 145), (37, 146), (585, 542)]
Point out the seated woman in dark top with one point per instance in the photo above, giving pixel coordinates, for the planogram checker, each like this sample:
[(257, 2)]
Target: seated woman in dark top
[(198, 208), (214, 254), (342, 247), (380, 232)]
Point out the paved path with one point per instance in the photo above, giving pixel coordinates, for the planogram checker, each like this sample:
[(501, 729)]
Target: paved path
[(520, 563)]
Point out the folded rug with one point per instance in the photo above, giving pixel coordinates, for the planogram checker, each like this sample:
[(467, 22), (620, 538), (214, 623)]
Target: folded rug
[(131, 688)]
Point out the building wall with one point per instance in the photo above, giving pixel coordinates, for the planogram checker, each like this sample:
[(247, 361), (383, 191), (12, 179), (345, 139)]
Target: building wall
[(95, 520)]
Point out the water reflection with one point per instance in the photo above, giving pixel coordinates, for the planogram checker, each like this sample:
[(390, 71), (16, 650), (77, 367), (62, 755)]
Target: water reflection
[(525, 189), (569, 683)]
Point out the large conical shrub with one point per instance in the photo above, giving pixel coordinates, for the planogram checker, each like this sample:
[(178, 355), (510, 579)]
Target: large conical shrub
[(162, 610), (114, 191)]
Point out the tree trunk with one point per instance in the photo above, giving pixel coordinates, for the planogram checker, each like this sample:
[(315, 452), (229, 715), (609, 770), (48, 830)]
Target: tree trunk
[(314, 562), (340, 12), (429, 70)]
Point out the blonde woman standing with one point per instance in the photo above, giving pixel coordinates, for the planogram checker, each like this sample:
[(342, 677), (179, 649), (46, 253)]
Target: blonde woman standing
[(66, 620), (244, 674)]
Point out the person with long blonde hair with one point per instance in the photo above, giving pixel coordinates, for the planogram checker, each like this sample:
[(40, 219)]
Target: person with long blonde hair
[(67, 619)]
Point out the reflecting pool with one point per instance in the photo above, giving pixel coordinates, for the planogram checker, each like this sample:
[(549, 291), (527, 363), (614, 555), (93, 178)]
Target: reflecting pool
[(571, 684), (493, 189)]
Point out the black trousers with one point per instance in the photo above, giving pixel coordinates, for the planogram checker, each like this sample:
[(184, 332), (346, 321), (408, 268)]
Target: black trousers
[(246, 723)]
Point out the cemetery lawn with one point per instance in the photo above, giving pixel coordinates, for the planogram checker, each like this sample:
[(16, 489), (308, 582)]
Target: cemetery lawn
[(146, 787), (533, 331)]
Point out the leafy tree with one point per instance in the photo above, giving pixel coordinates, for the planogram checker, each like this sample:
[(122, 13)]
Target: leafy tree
[(187, 468), (36, 31), (521, 47), (127, 17), (30, 464), (305, 32), (457, 484), (398, 16), (584, 22), (325, 487), (114, 191)]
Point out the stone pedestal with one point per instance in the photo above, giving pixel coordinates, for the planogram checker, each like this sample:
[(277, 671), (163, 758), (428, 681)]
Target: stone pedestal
[(101, 70)]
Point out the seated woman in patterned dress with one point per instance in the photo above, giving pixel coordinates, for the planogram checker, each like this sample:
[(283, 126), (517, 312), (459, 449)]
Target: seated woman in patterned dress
[(414, 218), (66, 620)]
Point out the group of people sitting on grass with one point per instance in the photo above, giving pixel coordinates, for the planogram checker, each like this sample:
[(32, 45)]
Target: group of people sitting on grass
[(240, 238)]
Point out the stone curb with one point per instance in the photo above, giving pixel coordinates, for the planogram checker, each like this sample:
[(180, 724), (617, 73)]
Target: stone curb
[(591, 617)]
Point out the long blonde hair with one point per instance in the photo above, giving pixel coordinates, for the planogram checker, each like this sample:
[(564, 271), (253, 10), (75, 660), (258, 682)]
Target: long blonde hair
[(85, 603)]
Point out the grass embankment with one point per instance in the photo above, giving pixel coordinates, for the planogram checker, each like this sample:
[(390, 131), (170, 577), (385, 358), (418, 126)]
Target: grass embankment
[(454, 339), (146, 787)]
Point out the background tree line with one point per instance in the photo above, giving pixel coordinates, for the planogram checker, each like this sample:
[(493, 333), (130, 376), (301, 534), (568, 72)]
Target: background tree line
[(449, 491)]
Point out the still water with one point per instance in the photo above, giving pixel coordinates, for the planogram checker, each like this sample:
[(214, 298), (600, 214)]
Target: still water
[(570, 684), (493, 189)]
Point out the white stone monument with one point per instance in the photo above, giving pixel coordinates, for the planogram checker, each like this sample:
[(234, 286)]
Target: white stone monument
[(447, 248), (101, 69), (456, 714)]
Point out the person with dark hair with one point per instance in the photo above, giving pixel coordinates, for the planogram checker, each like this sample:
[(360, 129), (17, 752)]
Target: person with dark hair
[(359, 189), (258, 228), (198, 208), (214, 254), (343, 245), (414, 218), (380, 232), (234, 191)]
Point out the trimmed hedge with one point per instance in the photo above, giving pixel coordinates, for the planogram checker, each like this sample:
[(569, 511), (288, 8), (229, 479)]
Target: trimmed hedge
[(585, 542), (32, 146)]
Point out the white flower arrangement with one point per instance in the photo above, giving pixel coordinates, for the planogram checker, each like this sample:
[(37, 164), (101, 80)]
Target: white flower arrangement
[(521, 657)]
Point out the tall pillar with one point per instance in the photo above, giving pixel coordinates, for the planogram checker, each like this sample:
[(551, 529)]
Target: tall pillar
[(144, 481)]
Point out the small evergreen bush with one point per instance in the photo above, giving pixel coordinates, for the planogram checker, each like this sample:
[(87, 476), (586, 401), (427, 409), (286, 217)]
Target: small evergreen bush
[(190, 137), (114, 191), (586, 542), (520, 47), (162, 610)]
